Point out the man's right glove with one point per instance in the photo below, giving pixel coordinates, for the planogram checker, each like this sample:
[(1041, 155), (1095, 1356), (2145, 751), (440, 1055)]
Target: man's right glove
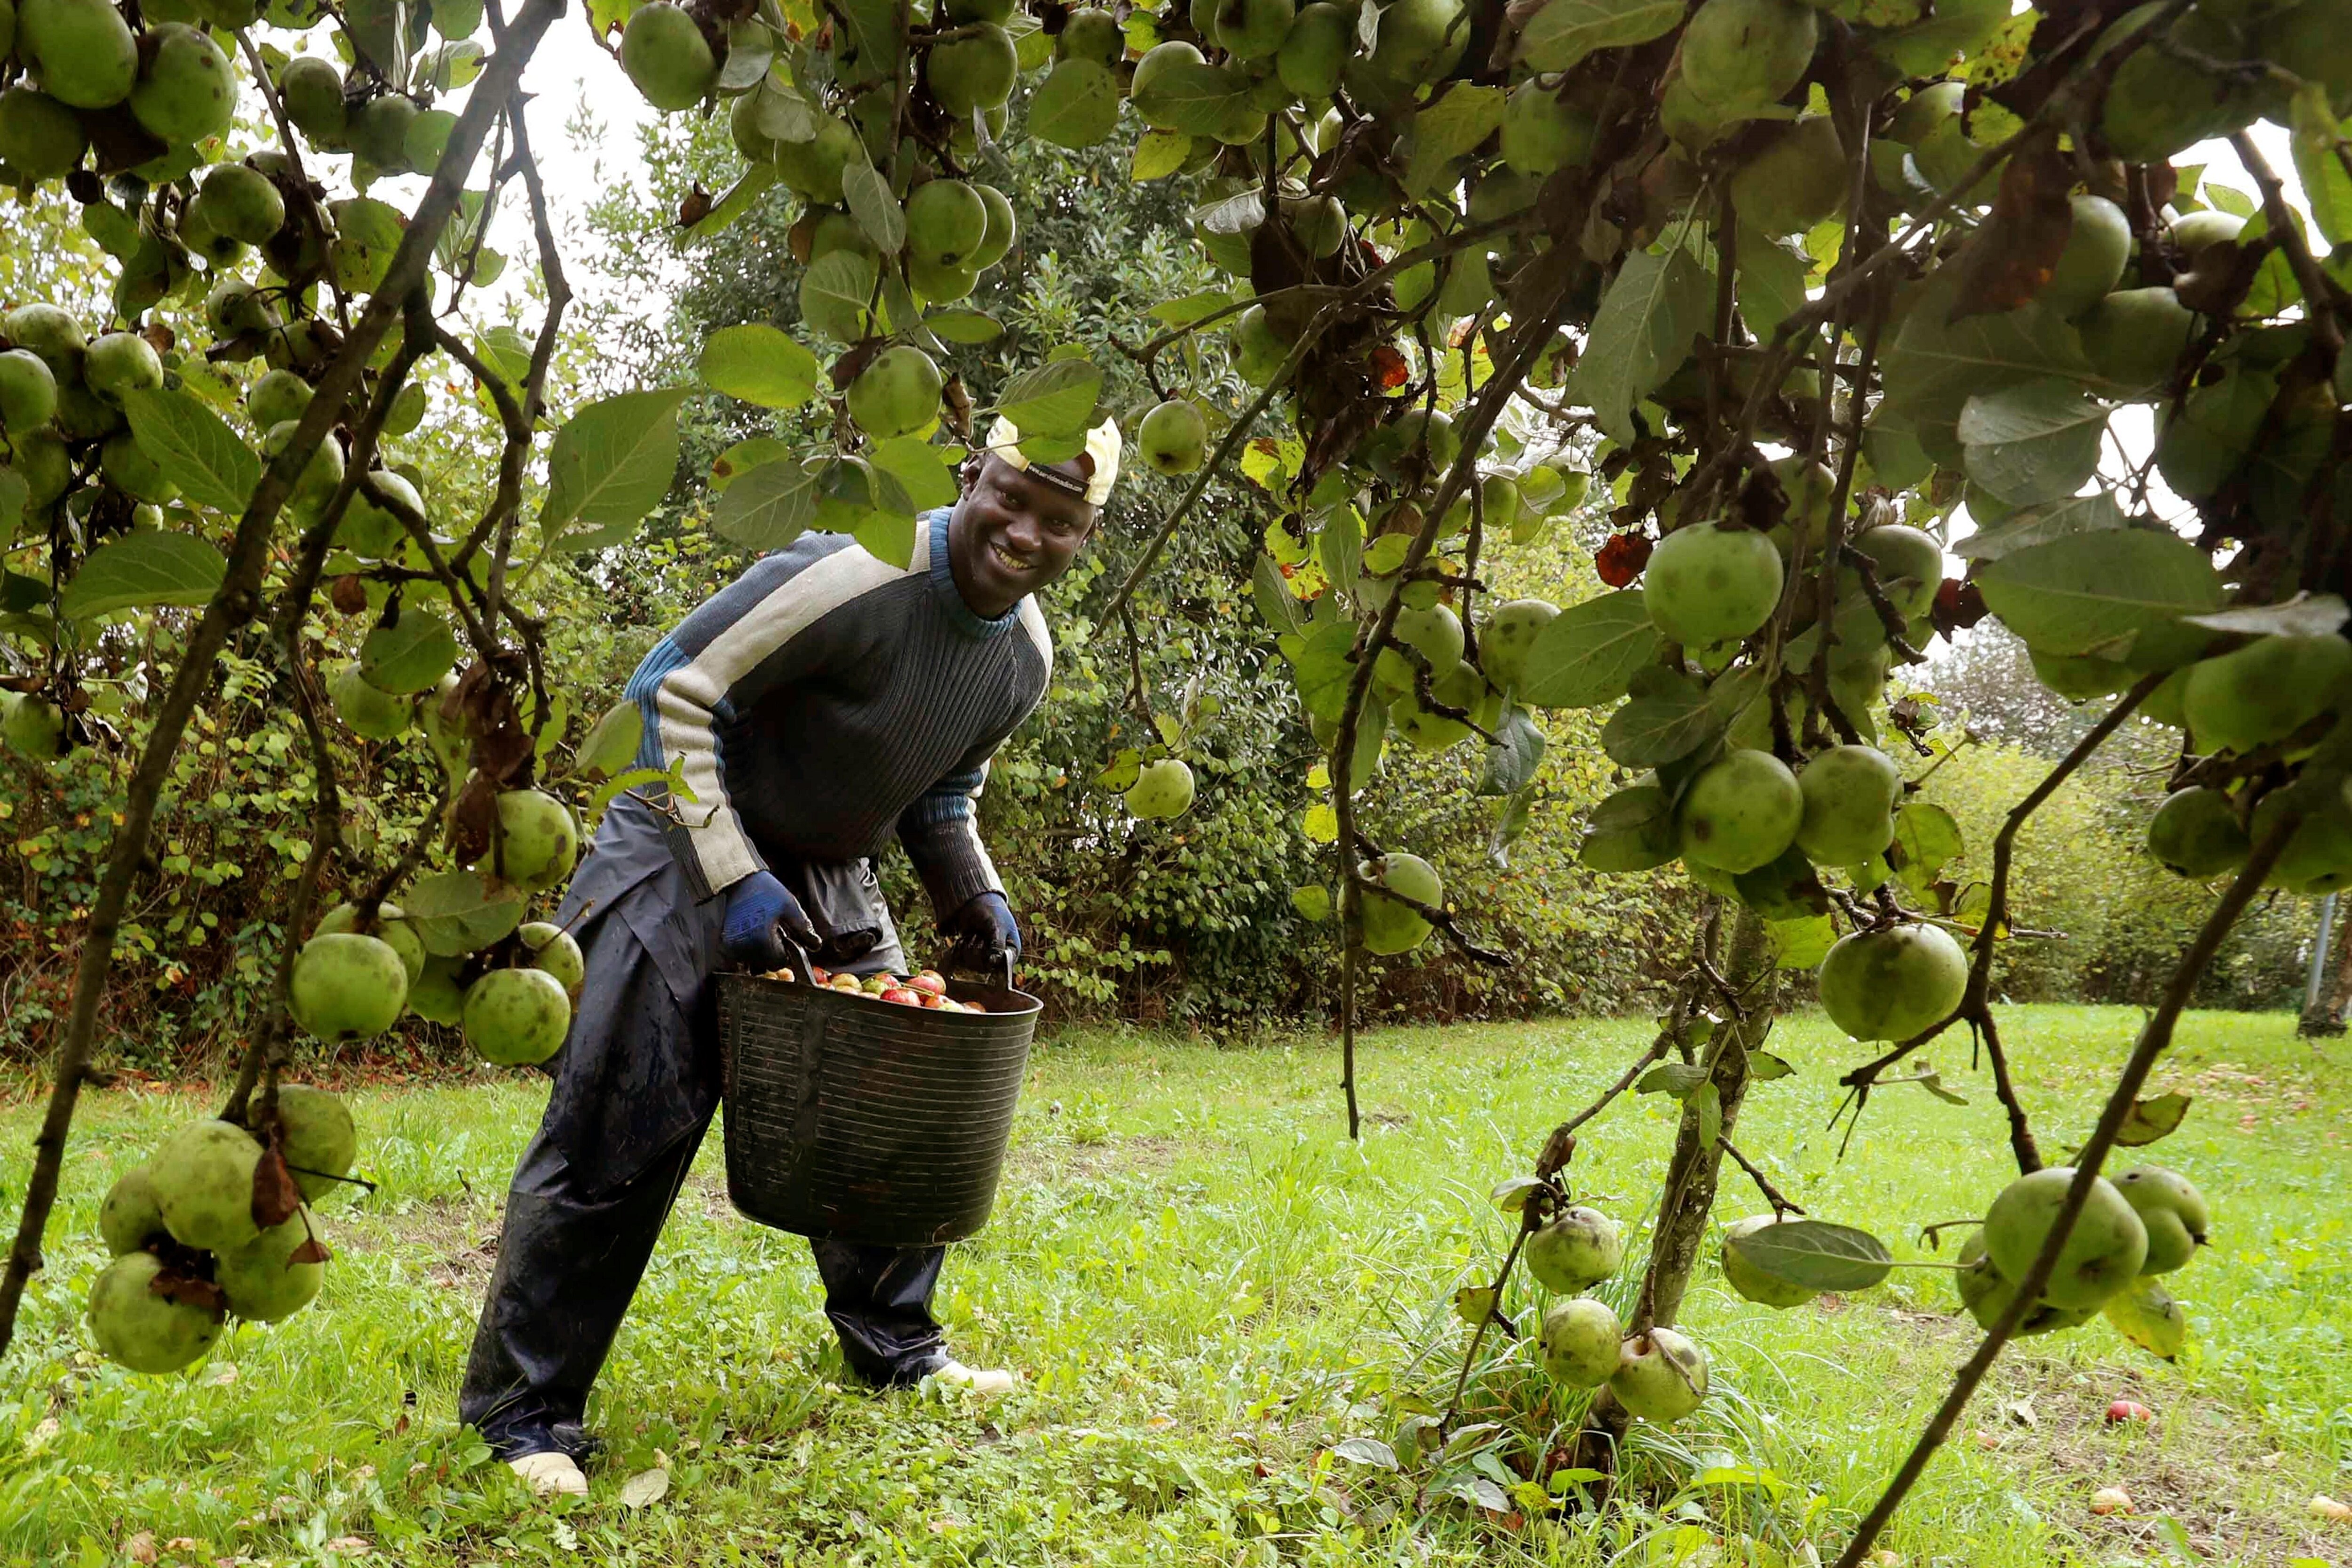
[(761, 913)]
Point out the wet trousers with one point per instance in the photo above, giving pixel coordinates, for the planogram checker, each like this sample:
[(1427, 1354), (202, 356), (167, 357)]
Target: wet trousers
[(636, 1084)]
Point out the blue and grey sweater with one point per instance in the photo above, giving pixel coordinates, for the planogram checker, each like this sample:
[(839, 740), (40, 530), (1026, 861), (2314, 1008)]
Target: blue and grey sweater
[(827, 698)]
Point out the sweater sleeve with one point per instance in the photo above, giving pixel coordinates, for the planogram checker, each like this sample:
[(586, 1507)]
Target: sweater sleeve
[(767, 629), (941, 832)]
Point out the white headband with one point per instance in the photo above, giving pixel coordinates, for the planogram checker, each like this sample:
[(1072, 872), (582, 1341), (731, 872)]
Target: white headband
[(1102, 445)]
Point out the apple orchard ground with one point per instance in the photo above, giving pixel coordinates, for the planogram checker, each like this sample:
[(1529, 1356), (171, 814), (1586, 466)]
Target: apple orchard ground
[(1207, 1287)]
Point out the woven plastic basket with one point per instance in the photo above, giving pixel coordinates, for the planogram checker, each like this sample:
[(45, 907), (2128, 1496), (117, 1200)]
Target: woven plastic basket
[(865, 1120)]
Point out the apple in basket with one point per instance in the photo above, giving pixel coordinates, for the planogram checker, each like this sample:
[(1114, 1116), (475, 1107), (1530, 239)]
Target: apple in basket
[(931, 982), (819, 976), (845, 982), (903, 996)]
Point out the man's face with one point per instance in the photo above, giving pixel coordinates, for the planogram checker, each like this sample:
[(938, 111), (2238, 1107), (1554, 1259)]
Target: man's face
[(1014, 533)]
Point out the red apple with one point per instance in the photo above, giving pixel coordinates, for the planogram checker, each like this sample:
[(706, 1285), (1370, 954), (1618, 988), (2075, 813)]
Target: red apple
[(2129, 1410), (930, 979), (904, 997), (931, 999), (822, 976)]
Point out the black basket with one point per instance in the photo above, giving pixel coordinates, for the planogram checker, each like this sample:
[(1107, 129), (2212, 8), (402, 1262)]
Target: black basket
[(869, 1120)]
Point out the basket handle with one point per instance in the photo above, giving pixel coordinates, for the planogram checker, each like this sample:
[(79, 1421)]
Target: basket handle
[(800, 961)]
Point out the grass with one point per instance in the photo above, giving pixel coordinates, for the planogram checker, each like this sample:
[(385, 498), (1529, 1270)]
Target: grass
[(1207, 1288)]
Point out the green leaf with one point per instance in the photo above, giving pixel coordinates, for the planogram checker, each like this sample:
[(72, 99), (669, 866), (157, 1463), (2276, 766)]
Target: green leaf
[(410, 654), (1056, 399), (457, 912), (13, 493), (1640, 335), (610, 464), (1076, 106), (1510, 825), (2120, 594), (1815, 1256), (886, 536), (1763, 1067), (2150, 1119), (759, 364), (1195, 98), (1669, 717), (1632, 830), (868, 195), (195, 448), (2094, 513), (1339, 549), (1313, 901), (1447, 129), (744, 456), (611, 745), (1799, 944), (2145, 1313), (1928, 837), (733, 204), (1512, 764), (155, 566), (2326, 185), (2034, 442), (919, 470), (1158, 154), (1191, 308), (1705, 1104), (964, 326), (1936, 366), (1675, 1080), (2307, 614), (1771, 283), (1565, 31), (833, 292), (1280, 611), (769, 507), (1323, 670), (1586, 655)]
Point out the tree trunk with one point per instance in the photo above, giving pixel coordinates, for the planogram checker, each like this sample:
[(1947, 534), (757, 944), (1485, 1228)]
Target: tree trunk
[(1692, 1174)]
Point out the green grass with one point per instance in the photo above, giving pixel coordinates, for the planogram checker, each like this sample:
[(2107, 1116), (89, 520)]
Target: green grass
[(1207, 1287)]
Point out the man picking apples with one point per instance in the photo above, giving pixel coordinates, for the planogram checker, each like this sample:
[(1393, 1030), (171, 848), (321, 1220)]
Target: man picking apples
[(825, 701)]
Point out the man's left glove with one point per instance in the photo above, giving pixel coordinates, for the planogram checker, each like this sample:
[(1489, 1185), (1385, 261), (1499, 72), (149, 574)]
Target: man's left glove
[(984, 933)]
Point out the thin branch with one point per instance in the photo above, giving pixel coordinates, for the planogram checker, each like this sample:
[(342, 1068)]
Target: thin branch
[(1780, 1202)]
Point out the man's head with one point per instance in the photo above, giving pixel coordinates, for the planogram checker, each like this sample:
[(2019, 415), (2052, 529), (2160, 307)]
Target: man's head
[(1019, 525)]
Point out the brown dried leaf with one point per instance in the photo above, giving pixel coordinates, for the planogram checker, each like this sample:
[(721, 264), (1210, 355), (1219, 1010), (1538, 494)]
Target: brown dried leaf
[(188, 1290), (846, 368), (276, 1196), (695, 207), (473, 818), (311, 1251), (959, 406), (349, 595), (2015, 254)]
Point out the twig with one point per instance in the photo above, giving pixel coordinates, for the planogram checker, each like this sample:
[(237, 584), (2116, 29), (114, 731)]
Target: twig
[(2318, 294), (1778, 1200)]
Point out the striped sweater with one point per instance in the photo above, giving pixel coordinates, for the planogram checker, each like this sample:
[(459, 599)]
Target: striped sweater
[(827, 698)]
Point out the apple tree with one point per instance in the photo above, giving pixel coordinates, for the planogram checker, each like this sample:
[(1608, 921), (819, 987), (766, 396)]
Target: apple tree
[(1789, 290)]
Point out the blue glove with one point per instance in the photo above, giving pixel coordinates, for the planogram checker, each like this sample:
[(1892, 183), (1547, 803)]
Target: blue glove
[(761, 911), (985, 935)]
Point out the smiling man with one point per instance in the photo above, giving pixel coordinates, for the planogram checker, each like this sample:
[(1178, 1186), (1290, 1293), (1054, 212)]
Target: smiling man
[(823, 703)]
